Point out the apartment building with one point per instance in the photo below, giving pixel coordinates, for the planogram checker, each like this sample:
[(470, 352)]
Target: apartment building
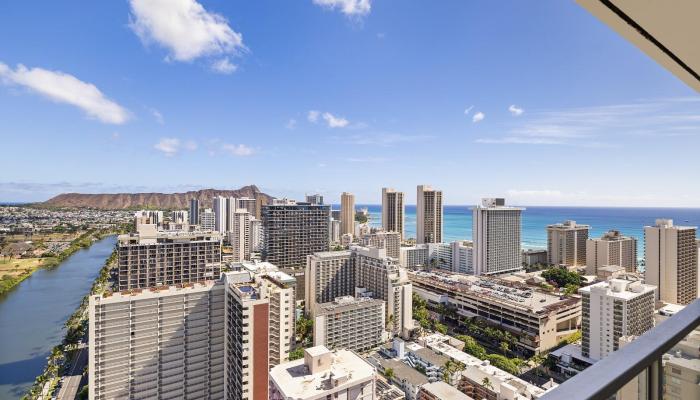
[(496, 229), (414, 256), (383, 279), (671, 261), (148, 217), (350, 323), (462, 256), (440, 390), (179, 217), (207, 220), (324, 374), (334, 231), (248, 204), (614, 309), (315, 199), (220, 208), (539, 320), (612, 248), (294, 231), (393, 211), (240, 235), (280, 289), (390, 241), (138, 346), (347, 213), (566, 244), (194, 212), (328, 275), (151, 258), (428, 215)]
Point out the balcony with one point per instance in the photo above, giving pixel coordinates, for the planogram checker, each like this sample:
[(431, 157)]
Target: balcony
[(645, 355)]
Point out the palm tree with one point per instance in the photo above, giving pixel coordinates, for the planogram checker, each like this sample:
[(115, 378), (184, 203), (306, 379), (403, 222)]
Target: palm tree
[(486, 382)]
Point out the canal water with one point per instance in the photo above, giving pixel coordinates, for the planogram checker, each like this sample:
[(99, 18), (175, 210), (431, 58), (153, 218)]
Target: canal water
[(33, 314)]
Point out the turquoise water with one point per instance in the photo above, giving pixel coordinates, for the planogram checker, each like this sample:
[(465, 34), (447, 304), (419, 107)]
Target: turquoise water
[(457, 221)]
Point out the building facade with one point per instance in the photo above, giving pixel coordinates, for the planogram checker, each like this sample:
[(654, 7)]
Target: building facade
[(329, 274), (671, 261), (566, 244), (194, 212), (612, 248), (391, 241), (350, 323), (347, 213), (496, 230), (393, 211), (428, 215)]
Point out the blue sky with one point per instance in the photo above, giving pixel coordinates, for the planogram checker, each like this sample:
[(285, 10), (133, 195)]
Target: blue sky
[(536, 101)]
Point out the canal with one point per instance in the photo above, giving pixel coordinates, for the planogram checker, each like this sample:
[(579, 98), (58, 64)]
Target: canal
[(32, 315)]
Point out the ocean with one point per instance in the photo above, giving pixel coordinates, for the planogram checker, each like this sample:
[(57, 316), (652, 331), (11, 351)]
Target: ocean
[(457, 221)]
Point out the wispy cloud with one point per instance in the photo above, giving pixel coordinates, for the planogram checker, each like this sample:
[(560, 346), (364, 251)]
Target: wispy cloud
[(381, 139), (515, 110), (168, 146), (478, 117), (157, 116), (64, 88), (238, 150), (313, 115), (291, 124), (468, 110), (366, 159), (186, 30), (602, 126), (335, 122), (548, 196), (351, 8)]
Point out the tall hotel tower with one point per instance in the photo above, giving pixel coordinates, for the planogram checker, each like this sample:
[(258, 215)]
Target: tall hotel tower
[(194, 212), (428, 215), (671, 261), (347, 213), (496, 232), (392, 211)]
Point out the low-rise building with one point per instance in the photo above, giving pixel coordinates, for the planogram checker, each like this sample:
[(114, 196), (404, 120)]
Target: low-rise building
[(356, 324), (441, 391), (323, 374)]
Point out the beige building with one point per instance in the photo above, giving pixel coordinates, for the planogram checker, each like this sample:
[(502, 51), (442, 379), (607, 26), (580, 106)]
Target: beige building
[(150, 258), (393, 211), (612, 248), (347, 213), (240, 235), (682, 369), (323, 374), (440, 390), (350, 323), (566, 244), (391, 241), (614, 309), (428, 215), (671, 261), (328, 275), (537, 319)]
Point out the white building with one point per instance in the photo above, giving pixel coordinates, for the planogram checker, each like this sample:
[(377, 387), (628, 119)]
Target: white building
[(207, 220), (350, 323), (179, 217), (671, 261), (414, 256), (496, 230), (219, 205), (393, 211), (614, 309), (428, 215), (334, 232), (463, 257), (323, 374), (239, 235), (391, 241), (257, 239)]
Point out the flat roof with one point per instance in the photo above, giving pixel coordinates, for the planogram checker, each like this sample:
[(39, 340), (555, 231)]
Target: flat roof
[(294, 381), (347, 303), (444, 391), (403, 371), (155, 292)]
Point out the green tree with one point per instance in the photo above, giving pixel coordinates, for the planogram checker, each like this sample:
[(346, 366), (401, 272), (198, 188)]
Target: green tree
[(562, 277), (296, 353), (504, 347), (486, 382), (389, 373)]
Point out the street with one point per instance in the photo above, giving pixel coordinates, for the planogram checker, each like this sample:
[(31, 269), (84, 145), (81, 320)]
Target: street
[(71, 381)]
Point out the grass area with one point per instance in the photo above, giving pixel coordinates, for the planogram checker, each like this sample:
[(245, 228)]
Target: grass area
[(18, 266)]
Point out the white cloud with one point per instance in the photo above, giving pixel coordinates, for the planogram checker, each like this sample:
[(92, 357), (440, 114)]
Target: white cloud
[(478, 117), (64, 88), (335, 122), (351, 8), (168, 146), (184, 28), (224, 66), (313, 115), (239, 150), (468, 110), (158, 116), (382, 139), (515, 110), (291, 124), (190, 145)]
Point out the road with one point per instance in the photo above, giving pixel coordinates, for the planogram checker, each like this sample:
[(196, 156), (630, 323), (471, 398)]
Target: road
[(71, 380)]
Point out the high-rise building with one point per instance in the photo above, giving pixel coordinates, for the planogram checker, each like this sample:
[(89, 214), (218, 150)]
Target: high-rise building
[(383, 277), (194, 212), (260, 201), (150, 258), (239, 236), (612, 248), (414, 256), (292, 232), (393, 211), (323, 374), (463, 257), (207, 220), (220, 214), (350, 323), (230, 211), (179, 217), (496, 229), (428, 215), (614, 309), (280, 289), (347, 213), (566, 244), (315, 199), (248, 204), (148, 217), (256, 235), (671, 261), (334, 233), (328, 275), (391, 241)]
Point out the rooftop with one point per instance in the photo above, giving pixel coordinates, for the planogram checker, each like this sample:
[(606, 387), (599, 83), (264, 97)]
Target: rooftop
[(619, 288), (444, 391), (403, 372), (156, 291), (347, 303)]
